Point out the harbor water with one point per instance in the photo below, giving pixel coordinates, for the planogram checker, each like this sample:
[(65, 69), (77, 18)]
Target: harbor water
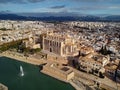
[(32, 79)]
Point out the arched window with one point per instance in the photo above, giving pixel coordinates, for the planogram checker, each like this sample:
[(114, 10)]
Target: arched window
[(50, 49)]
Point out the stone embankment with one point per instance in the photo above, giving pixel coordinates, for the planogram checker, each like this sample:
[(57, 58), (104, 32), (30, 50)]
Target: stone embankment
[(3, 87), (21, 57)]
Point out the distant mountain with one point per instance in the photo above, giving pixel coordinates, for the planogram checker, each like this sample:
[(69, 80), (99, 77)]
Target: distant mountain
[(114, 18), (11, 17)]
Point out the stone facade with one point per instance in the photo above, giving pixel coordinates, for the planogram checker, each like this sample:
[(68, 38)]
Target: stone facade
[(63, 73), (31, 42), (60, 44)]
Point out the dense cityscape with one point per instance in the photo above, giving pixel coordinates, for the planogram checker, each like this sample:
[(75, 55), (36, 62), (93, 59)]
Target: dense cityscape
[(84, 54)]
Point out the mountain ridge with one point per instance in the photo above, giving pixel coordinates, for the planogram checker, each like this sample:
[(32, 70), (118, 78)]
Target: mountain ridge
[(111, 18)]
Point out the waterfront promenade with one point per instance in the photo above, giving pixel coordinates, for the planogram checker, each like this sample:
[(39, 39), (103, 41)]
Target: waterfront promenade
[(21, 57)]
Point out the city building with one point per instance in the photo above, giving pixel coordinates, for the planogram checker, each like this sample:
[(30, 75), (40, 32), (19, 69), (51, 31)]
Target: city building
[(60, 44), (31, 43), (93, 63)]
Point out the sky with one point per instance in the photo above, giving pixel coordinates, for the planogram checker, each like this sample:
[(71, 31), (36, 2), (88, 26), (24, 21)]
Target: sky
[(91, 7)]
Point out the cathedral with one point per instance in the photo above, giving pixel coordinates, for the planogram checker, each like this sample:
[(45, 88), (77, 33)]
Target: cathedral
[(59, 44)]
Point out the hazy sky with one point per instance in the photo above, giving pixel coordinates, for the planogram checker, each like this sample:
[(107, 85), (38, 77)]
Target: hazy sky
[(55, 6)]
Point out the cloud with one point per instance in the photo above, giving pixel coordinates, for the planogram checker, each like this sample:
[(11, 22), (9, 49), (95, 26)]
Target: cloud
[(35, 1), (87, 0), (114, 7), (20, 1), (89, 8), (91, 0), (95, 7), (83, 0), (5, 11), (58, 7), (11, 1)]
